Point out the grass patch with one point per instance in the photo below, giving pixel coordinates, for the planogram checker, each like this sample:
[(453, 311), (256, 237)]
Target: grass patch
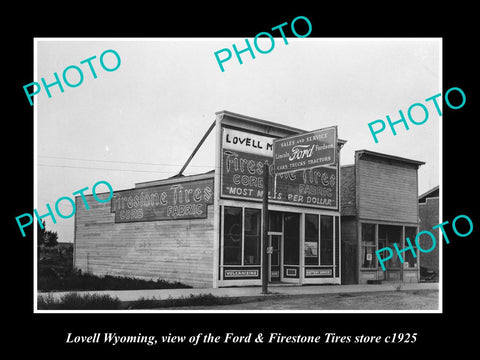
[(73, 301), (76, 281), (56, 273), (192, 300)]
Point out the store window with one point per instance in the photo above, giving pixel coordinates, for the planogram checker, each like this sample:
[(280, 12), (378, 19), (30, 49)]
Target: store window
[(232, 236), (291, 239), (368, 245), (252, 237), (409, 260), (275, 221), (326, 240), (311, 239)]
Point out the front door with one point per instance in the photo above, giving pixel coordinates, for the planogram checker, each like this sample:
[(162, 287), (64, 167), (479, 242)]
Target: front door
[(275, 244)]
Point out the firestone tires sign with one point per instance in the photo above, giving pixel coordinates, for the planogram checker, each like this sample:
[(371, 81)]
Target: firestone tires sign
[(305, 151), (182, 200)]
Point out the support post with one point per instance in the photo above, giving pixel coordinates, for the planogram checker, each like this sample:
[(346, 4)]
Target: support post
[(195, 150), (265, 264)]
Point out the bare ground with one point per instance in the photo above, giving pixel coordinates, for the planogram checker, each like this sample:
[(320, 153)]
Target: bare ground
[(388, 300)]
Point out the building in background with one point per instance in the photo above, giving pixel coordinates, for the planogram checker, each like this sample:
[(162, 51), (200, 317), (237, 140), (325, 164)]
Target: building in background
[(379, 208), (428, 207)]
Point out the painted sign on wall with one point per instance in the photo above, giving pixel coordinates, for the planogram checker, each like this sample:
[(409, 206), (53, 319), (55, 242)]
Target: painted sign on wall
[(318, 272), (242, 174), (182, 200), (305, 151)]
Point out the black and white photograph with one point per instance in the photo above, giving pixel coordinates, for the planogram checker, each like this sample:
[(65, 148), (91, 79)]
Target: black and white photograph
[(187, 213), (279, 189)]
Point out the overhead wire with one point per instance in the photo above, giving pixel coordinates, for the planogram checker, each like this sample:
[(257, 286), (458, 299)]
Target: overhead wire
[(117, 161), (103, 169)]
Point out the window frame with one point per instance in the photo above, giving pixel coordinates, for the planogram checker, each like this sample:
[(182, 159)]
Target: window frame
[(224, 208), (317, 241), (284, 238), (377, 240), (414, 246), (321, 240), (242, 237), (259, 236), (374, 246)]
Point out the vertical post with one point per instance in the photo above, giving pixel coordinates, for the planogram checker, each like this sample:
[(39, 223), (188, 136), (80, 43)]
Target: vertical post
[(217, 214), (265, 230), (196, 149), (403, 243), (376, 262)]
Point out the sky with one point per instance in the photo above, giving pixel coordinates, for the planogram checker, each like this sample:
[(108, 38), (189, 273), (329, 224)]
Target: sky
[(142, 121)]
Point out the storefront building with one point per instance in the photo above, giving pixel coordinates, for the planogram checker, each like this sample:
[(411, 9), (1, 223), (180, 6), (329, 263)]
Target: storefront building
[(429, 208), (379, 208), (205, 230), (304, 214)]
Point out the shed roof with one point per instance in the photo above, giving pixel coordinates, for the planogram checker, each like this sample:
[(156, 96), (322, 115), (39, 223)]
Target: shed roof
[(433, 192), (361, 153)]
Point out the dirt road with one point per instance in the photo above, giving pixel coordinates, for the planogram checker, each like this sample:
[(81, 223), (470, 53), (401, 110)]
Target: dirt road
[(388, 300)]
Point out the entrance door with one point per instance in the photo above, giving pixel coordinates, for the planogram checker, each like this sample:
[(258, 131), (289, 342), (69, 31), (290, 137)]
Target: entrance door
[(388, 235), (275, 241)]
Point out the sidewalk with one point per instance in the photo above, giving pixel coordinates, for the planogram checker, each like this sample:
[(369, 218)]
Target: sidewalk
[(133, 295)]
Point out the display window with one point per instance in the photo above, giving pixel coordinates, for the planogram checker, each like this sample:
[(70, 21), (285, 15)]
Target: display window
[(252, 237), (369, 245), (311, 239), (409, 260), (326, 240), (232, 236), (291, 239), (318, 249), (241, 236), (388, 236)]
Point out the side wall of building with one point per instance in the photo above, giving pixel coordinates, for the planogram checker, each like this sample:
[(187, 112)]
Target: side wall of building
[(349, 250), (348, 191), (173, 250), (429, 217)]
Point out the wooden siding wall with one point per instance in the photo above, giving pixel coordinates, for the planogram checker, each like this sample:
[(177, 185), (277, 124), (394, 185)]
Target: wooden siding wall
[(349, 250), (347, 190), (174, 250), (387, 191)]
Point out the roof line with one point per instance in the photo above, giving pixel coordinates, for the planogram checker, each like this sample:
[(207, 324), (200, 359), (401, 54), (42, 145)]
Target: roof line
[(429, 192), (175, 179), (259, 121), (387, 156)]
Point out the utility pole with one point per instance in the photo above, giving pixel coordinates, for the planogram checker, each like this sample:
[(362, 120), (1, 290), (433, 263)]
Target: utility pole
[(265, 264)]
